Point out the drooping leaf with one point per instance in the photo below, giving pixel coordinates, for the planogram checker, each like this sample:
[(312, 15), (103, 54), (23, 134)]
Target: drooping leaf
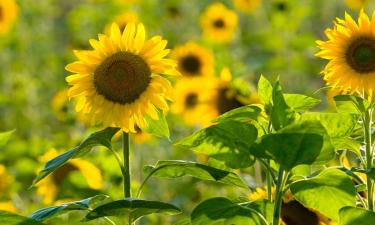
[(223, 211), (178, 168), (4, 137), (228, 141), (242, 114), (281, 114), (184, 221), (133, 208), (8, 218), (100, 138), (350, 104), (300, 103), (265, 91), (356, 216), (53, 211), (347, 143), (327, 192), (158, 127)]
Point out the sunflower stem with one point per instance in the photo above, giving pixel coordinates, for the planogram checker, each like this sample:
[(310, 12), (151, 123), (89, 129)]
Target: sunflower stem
[(269, 182), (281, 181), (369, 156), (126, 148)]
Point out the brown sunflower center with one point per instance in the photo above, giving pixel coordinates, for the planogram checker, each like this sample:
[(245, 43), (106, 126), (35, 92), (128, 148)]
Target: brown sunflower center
[(122, 77), (63, 172), (361, 55), (191, 64), (226, 103), (281, 6), (191, 100), (294, 213), (219, 23)]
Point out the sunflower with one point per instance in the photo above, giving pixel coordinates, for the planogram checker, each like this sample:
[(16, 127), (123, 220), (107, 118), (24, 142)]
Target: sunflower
[(193, 60), (192, 96), (122, 20), (6, 181), (247, 6), (293, 212), (356, 4), (351, 50), (140, 137), (59, 104), (8, 15), (219, 24), (119, 82), (48, 188)]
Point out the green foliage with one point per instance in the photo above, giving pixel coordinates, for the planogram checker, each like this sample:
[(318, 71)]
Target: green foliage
[(265, 91), (351, 104), (356, 216), (8, 218), (4, 137), (178, 168), (158, 127), (327, 192), (132, 209), (281, 114), (222, 142), (300, 103), (241, 114)]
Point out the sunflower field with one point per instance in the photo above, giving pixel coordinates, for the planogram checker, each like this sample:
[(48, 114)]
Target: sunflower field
[(199, 112)]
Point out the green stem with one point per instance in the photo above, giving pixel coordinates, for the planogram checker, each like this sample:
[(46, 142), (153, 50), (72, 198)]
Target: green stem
[(126, 148), (281, 181), (269, 182), (369, 155)]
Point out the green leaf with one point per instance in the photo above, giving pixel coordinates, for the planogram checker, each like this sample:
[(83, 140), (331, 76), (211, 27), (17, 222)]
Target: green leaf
[(242, 114), (53, 211), (158, 127), (265, 91), (356, 216), (100, 138), (223, 142), (350, 104), (132, 208), (281, 114), (223, 211), (4, 137), (327, 192), (305, 142), (184, 221), (177, 168), (347, 143), (7, 218), (300, 103)]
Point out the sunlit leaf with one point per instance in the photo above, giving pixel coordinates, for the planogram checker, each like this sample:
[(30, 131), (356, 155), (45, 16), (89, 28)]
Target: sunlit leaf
[(300, 103), (8, 218), (242, 114), (350, 104), (265, 90), (4, 137), (356, 216), (281, 114), (158, 127)]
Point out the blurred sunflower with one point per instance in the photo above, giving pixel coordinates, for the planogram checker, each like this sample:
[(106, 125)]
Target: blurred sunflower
[(293, 212), (219, 23), (356, 4), (122, 20), (48, 188), (350, 49), (140, 137), (119, 82), (247, 6), (8, 15), (59, 104), (192, 96), (193, 60), (6, 181)]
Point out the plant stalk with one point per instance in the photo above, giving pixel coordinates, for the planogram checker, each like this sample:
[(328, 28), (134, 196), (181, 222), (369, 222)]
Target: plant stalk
[(126, 148), (369, 156), (281, 180)]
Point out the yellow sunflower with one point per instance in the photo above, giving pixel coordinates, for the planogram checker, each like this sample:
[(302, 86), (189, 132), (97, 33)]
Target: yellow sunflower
[(350, 49), (122, 20), (219, 23), (193, 60), (356, 4), (293, 212), (6, 181), (192, 97), (59, 104), (8, 15), (247, 6), (48, 188), (120, 81)]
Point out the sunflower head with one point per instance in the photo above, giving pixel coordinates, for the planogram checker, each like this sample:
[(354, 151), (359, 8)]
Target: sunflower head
[(350, 49), (122, 20), (122, 80), (247, 6), (6, 179), (219, 23), (8, 15), (193, 60)]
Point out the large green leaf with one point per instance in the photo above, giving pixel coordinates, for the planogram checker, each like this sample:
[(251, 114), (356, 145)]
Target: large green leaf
[(242, 114), (265, 91), (7, 218), (327, 192), (100, 138), (178, 168), (281, 114), (223, 211), (4, 137), (351, 104), (300, 103), (132, 208), (158, 127), (305, 142), (228, 141), (84, 204), (356, 216)]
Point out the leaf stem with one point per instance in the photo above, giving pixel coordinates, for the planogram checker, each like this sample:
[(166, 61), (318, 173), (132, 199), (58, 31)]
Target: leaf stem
[(281, 181), (367, 122), (126, 148)]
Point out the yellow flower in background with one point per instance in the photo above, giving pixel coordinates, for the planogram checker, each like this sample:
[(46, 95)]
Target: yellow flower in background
[(192, 96), (247, 6), (193, 60), (48, 188), (119, 82), (219, 23), (59, 104), (122, 20), (356, 4), (5, 182), (350, 49), (8, 15), (7, 206)]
